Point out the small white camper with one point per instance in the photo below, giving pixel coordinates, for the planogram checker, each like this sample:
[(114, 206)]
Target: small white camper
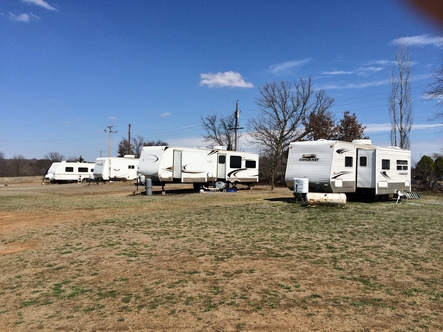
[(65, 171), (199, 166), (116, 168), (349, 167)]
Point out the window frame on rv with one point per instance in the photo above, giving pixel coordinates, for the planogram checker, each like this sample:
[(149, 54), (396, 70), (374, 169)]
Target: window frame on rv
[(402, 165), (386, 164), (349, 161), (363, 162), (83, 170), (235, 161), (250, 163), (69, 169)]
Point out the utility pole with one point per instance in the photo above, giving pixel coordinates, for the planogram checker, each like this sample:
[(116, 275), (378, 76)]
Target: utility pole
[(129, 139), (110, 131), (237, 116)]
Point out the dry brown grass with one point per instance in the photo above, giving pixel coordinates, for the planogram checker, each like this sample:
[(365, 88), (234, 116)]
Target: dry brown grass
[(79, 257)]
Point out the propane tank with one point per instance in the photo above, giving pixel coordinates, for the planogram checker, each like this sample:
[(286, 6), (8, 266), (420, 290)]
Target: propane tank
[(330, 199)]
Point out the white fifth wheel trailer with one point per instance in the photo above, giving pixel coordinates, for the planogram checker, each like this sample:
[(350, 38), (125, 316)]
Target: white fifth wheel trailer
[(199, 166), (349, 167), (65, 171), (116, 168)]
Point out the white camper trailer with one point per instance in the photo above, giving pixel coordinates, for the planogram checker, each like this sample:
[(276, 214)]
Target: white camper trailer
[(199, 166), (116, 168), (65, 171), (345, 167)]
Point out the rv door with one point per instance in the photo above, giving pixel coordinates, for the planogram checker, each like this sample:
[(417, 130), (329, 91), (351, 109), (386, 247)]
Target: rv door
[(365, 168), (221, 166), (177, 165)]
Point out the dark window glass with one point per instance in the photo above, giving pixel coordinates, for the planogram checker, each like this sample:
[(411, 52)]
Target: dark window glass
[(222, 159), (69, 169), (385, 164), (363, 161), (402, 165), (235, 162), (83, 170), (250, 164), (348, 161)]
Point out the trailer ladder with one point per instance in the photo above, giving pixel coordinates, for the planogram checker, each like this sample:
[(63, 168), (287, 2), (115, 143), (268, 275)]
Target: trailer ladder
[(407, 194)]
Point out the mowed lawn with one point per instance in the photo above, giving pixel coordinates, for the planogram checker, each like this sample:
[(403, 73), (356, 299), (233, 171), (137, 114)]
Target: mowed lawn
[(78, 257)]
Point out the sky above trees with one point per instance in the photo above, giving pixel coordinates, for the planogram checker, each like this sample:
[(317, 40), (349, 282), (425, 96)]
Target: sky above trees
[(70, 69)]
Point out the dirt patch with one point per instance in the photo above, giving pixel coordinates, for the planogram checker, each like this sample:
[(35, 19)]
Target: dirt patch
[(79, 257), (15, 247)]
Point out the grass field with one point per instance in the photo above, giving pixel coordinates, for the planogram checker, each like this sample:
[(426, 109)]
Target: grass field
[(79, 257)]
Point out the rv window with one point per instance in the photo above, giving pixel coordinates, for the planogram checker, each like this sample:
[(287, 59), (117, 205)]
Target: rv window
[(385, 164), (131, 167), (69, 169), (402, 165), (363, 161), (251, 164), (83, 170), (348, 161), (235, 162), (222, 159)]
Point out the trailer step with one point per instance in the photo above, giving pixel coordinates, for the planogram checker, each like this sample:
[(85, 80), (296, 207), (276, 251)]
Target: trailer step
[(407, 194), (412, 195)]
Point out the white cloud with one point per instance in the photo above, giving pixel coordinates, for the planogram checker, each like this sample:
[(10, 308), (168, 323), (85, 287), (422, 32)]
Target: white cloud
[(338, 72), (370, 69), (226, 79), (386, 127), (23, 17), (378, 63), (41, 3), (165, 114), (286, 67), (422, 40), (355, 85)]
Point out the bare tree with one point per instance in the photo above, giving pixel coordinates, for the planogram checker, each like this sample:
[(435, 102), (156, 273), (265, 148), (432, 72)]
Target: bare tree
[(54, 156), (219, 130), (19, 165), (3, 170), (123, 148), (284, 107), (137, 145), (436, 92), (400, 102)]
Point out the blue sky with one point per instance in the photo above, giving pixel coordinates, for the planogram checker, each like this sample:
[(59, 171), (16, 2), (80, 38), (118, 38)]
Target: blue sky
[(69, 69)]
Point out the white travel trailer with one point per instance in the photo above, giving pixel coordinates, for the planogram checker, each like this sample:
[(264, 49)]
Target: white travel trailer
[(349, 167), (65, 171), (116, 168), (199, 166)]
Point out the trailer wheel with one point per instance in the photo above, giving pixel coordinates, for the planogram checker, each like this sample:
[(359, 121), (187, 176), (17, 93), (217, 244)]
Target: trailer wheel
[(196, 186)]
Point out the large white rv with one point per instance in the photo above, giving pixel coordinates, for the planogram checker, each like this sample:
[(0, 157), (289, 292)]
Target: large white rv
[(349, 167), (65, 171), (116, 168), (199, 166)]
